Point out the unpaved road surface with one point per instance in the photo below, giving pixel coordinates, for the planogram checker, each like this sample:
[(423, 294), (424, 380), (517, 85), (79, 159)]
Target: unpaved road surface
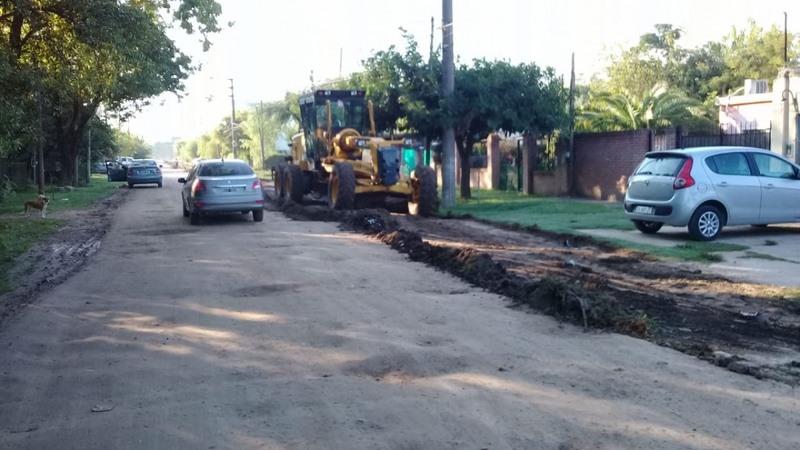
[(296, 335)]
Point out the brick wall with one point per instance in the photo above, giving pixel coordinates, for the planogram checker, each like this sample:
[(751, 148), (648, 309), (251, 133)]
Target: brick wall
[(551, 183), (603, 162)]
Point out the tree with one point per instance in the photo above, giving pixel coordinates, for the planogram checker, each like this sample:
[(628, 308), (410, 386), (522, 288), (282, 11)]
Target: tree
[(382, 80), (187, 150), (657, 109), (494, 96), (753, 53), (83, 53), (404, 88), (130, 145)]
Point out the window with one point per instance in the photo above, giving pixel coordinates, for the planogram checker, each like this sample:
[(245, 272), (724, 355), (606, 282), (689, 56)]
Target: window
[(666, 165), (773, 167), (223, 169), (729, 164)]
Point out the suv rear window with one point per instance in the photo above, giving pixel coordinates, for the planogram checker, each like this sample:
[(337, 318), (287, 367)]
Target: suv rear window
[(664, 165), (223, 169)]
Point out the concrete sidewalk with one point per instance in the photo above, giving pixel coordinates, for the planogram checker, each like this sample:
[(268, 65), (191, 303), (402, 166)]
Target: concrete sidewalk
[(772, 256)]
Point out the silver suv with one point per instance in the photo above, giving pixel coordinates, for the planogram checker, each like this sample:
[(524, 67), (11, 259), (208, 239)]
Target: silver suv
[(707, 188)]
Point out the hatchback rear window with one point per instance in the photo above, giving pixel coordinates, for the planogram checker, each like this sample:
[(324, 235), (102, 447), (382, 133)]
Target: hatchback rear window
[(223, 169), (664, 165)]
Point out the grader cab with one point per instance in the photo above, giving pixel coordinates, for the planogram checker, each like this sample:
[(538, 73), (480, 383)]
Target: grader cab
[(339, 158)]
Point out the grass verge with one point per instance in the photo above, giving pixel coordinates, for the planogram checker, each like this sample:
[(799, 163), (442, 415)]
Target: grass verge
[(551, 214), (18, 233), (566, 216)]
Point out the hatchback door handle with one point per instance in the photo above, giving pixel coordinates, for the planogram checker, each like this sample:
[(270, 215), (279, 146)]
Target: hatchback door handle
[(769, 186)]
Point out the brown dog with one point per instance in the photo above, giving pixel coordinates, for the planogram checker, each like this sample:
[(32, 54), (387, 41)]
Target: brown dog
[(40, 204)]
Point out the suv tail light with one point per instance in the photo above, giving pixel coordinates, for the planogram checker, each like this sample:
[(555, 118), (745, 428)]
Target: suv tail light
[(198, 186), (256, 185), (684, 178)]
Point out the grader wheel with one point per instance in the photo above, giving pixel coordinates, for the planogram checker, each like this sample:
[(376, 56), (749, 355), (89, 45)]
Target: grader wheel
[(293, 183), (342, 187), (423, 200)]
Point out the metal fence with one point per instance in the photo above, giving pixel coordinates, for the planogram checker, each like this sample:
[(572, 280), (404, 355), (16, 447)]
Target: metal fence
[(747, 138)]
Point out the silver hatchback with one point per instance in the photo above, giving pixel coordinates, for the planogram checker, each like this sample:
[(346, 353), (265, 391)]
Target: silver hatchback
[(707, 188), (221, 186)]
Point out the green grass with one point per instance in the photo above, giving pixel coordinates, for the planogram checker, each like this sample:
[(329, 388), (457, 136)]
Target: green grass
[(567, 216), (547, 213), (18, 233), (81, 197), (688, 251)]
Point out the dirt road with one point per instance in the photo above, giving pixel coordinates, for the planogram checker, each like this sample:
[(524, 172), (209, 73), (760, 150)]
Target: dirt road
[(296, 335)]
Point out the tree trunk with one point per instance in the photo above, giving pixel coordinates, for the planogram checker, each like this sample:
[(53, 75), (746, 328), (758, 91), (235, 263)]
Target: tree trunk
[(464, 146), (70, 131)]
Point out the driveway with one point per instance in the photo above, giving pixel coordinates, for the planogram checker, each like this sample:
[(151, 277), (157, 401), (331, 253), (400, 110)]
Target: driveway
[(772, 256)]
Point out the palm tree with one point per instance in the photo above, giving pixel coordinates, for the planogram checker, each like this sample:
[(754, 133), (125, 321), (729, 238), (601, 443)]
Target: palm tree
[(657, 109)]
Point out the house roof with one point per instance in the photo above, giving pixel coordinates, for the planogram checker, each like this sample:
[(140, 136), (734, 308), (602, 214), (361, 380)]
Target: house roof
[(749, 99)]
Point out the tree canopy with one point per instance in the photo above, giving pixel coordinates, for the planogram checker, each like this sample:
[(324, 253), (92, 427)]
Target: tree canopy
[(71, 56)]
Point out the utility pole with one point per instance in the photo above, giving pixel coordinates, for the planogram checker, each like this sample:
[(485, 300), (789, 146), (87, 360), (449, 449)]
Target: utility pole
[(785, 40), (261, 131), (448, 86), (571, 162), (233, 121), (430, 52)]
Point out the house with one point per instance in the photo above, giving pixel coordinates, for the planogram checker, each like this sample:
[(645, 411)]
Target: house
[(746, 108), (755, 107)]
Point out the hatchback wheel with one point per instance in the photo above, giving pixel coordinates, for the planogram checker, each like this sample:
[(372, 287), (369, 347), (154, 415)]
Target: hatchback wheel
[(258, 215), (705, 224), (647, 227), (194, 218)]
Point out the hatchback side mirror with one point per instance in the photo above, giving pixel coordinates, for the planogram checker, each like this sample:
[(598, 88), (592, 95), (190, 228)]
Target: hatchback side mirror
[(182, 180)]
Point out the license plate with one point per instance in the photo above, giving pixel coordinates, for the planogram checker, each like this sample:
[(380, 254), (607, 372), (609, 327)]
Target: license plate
[(643, 210)]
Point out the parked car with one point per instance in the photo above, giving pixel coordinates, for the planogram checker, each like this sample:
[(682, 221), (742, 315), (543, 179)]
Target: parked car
[(708, 188), (144, 171), (99, 167), (124, 160), (221, 186)]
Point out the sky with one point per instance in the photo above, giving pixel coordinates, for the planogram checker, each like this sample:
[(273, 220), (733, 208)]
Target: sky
[(273, 46)]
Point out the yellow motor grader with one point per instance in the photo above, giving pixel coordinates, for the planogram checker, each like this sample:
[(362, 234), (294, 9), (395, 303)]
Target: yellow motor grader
[(338, 157)]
